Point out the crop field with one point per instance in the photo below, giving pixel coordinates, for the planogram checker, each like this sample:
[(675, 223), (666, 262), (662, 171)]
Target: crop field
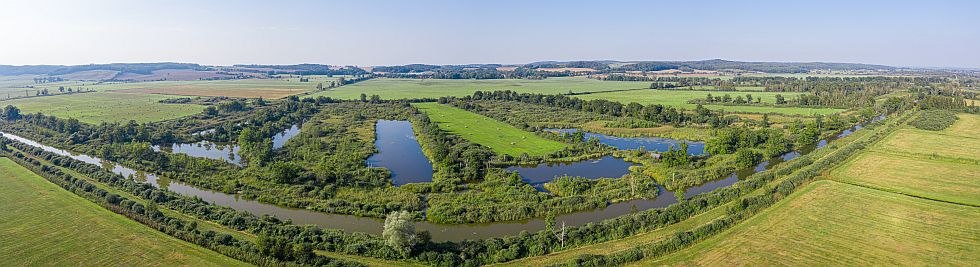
[(434, 88), (498, 136), (680, 98), (832, 223), (43, 225), (100, 107), (250, 88)]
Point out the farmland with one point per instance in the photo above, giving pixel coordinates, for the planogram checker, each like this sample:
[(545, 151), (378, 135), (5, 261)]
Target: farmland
[(434, 88), (248, 88), (498, 136), (101, 107), (946, 170), (680, 98), (827, 220), (45, 225)]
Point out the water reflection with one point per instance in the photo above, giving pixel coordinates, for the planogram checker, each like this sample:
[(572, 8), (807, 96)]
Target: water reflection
[(605, 167), (400, 153), (629, 143), (439, 232)]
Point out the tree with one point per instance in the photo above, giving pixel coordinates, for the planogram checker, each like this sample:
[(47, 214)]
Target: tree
[(399, 232), (780, 100), (11, 113), (363, 97), (211, 111)]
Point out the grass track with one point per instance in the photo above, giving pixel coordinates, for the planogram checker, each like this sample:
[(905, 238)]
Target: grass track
[(42, 224), (832, 223), (100, 107), (498, 136)]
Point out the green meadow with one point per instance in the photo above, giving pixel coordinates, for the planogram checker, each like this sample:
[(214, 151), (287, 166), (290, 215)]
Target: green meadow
[(829, 223), (434, 88), (498, 136), (98, 107), (41, 224), (680, 98)]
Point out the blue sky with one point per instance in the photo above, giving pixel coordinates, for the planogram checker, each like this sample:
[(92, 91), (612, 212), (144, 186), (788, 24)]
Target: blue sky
[(901, 33)]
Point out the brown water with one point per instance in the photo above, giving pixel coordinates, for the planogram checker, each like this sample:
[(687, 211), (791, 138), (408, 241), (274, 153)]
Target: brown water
[(439, 232)]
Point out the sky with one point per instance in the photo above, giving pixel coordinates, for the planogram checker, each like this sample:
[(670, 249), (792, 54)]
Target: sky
[(365, 33)]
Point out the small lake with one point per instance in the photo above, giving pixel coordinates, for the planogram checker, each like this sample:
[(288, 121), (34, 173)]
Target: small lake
[(228, 152), (605, 167), (400, 153), (629, 143)]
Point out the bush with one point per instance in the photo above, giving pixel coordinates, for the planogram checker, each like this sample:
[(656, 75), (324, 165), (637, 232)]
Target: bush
[(934, 120)]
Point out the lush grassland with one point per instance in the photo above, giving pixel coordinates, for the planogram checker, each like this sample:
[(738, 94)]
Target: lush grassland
[(941, 165), (831, 223), (680, 98), (41, 224), (100, 107), (498, 136), (932, 144), (934, 179), (250, 88), (433, 88)]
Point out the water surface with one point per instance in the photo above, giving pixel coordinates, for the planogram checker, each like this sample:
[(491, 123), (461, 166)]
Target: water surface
[(605, 167), (649, 143), (400, 153)]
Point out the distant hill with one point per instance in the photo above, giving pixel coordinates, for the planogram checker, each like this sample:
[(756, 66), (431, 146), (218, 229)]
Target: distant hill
[(604, 66), (713, 64), (138, 68)]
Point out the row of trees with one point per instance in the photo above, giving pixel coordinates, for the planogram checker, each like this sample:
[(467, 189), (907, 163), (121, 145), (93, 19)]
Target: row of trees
[(654, 113)]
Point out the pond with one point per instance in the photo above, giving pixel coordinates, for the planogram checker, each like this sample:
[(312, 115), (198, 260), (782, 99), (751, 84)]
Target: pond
[(649, 143), (439, 232), (228, 152), (400, 153), (605, 167)]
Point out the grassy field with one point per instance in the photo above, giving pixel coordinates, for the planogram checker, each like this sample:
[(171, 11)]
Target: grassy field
[(434, 88), (937, 165), (959, 141), (934, 179), (834, 224), (43, 225), (680, 98), (498, 136), (250, 88), (100, 107)]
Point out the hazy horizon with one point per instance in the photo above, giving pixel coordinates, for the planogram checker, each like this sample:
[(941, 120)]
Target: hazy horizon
[(894, 33)]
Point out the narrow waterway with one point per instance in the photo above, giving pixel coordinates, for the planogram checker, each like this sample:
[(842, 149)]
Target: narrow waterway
[(439, 232)]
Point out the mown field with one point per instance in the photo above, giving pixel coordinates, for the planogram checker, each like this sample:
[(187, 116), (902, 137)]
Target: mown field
[(680, 98), (250, 88), (100, 107), (43, 225), (946, 168), (434, 88), (498, 136), (836, 224)]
